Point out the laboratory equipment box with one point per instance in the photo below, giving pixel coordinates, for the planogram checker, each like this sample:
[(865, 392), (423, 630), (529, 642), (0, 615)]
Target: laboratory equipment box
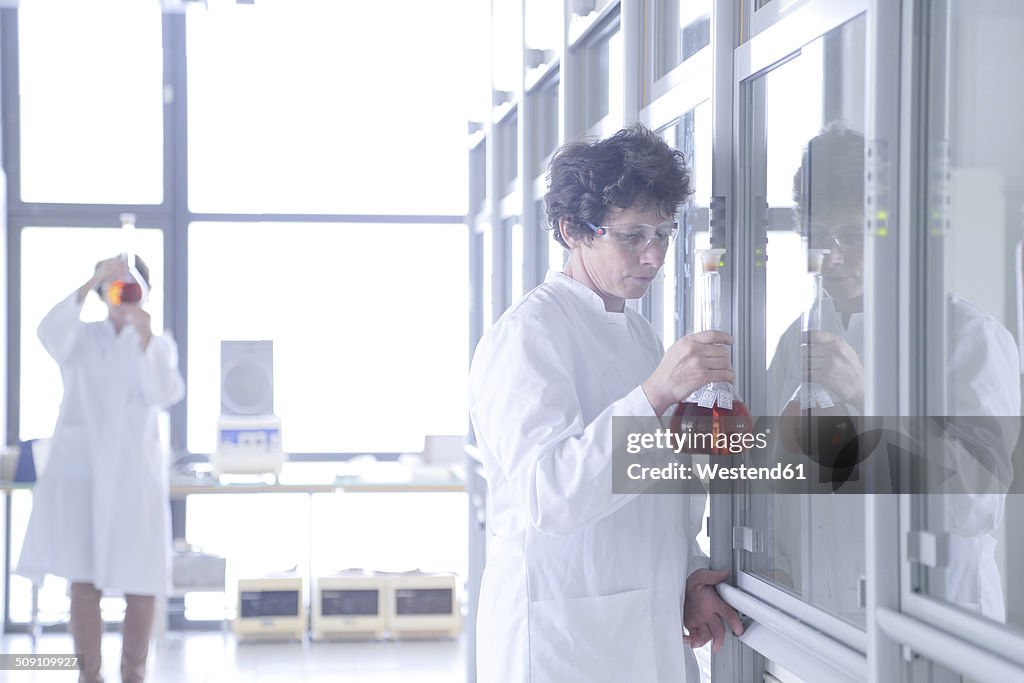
[(197, 570), (270, 609), (424, 606), (248, 444), (350, 605)]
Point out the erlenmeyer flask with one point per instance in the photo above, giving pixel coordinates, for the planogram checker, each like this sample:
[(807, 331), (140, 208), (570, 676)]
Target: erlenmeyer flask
[(815, 421), (132, 290), (124, 292), (709, 416)]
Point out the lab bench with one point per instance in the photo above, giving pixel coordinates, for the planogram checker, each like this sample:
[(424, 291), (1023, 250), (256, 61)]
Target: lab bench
[(295, 478)]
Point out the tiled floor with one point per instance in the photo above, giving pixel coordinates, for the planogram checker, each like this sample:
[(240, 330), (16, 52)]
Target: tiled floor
[(214, 658)]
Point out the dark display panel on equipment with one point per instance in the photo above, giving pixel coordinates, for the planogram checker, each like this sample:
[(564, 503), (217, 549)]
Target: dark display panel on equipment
[(410, 601), (338, 603), (257, 604)]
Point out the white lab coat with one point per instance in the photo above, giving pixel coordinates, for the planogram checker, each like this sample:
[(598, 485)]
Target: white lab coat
[(982, 373), (580, 584), (100, 509)]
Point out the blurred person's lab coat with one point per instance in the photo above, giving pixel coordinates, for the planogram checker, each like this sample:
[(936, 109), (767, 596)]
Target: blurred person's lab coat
[(100, 511)]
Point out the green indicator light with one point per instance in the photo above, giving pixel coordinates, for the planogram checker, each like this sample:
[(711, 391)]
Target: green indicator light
[(882, 215), (882, 232)]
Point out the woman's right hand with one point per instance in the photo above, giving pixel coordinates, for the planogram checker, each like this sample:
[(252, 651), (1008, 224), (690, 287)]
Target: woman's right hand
[(110, 269), (107, 270), (693, 361)]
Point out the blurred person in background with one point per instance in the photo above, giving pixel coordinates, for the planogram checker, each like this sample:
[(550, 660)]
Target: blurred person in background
[(100, 515)]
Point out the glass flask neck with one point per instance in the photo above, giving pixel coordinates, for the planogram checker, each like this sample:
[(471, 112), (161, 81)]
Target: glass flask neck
[(711, 311), (812, 316)]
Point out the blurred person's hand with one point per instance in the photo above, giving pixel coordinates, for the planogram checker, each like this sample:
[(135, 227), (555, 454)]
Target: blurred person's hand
[(110, 269), (140, 320), (106, 270)]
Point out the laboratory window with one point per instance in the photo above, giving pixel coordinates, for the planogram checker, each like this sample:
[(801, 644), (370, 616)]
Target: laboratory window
[(478, 176), (557, 254), (506, 48), (544, 102), (504, 253), (691, 134), (487, 277), (507, 138), (517, 260), (683, 28), (477, 41), (542, 32), (584, 11), (340, 302), (603, 73), (280, 122), (91, 102)]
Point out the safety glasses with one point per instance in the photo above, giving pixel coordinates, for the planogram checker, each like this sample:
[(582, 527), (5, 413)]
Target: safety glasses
[(637, 237)]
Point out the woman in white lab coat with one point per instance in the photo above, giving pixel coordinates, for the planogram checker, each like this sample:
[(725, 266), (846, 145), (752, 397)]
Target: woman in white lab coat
[(100, 511), (582, 584)]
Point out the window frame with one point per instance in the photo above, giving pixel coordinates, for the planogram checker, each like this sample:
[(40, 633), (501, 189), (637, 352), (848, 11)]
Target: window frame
[(699, 62), (584, 36)]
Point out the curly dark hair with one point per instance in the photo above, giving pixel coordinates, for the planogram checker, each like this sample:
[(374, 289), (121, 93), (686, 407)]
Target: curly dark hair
[(634, 167), (830, 180)]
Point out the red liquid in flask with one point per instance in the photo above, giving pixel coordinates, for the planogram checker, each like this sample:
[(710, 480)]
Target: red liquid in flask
[(815, 422), (711, 430), (121, 292), (821, 433)]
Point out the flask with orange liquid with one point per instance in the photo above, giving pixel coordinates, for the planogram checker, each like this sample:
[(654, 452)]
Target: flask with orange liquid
[(124, 292), (815, 421), (709, 417), (133, 289)]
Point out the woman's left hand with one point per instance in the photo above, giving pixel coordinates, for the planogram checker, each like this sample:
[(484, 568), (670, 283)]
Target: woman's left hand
[(704, 611), (834, 364)]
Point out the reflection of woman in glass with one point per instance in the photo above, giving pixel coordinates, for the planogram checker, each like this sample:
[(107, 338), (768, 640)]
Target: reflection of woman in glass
[(99, 516), (981, 379)]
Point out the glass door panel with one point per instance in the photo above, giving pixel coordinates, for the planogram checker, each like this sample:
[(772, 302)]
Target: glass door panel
[(805, 192), (973, 246)]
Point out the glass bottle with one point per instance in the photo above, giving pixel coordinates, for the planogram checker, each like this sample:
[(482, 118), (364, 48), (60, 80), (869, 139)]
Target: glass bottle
[(815, 421), (709, 416), (132, 290)]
